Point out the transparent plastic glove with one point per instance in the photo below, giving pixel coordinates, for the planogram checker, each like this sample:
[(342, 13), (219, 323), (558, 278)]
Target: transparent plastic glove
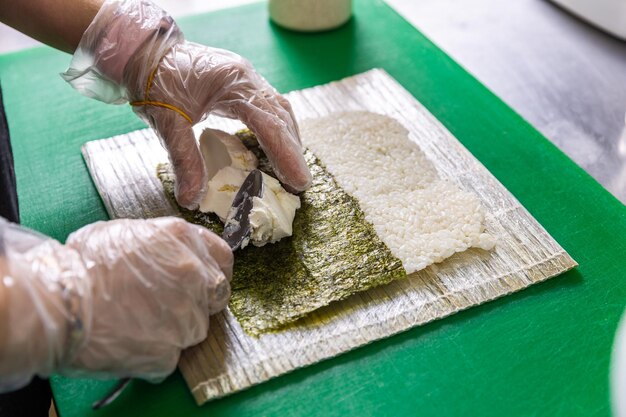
[(120, 298), (134, 51)]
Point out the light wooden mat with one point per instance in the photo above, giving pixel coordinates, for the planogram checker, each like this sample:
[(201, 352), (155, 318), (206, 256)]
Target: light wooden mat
[(123, 169)]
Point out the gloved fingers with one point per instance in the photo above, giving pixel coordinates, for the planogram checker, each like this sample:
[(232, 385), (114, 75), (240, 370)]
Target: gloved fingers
[(285, 104), (223, 255), (208, 246), (247, 96), (210, 249), (164, 254), (277, 132), (166, 251), (155, 283), (178, 138), (154, 369)]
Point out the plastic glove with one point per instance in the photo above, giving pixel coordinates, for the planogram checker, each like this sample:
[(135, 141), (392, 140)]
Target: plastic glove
[(120, 298), (134, 51)]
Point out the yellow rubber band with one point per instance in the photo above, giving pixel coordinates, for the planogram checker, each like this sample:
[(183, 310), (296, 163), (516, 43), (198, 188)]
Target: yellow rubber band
[(147, 102), (165, 105)]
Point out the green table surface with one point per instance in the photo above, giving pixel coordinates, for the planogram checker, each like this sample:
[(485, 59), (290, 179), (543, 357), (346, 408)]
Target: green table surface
[(542, 351)]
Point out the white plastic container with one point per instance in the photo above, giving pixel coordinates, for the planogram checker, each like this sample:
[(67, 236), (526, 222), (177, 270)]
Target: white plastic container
[(310, 15), (609, 15), (618, 370)]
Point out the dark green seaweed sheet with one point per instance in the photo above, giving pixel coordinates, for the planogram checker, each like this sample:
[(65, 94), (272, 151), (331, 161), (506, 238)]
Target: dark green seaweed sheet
[(333, 253)]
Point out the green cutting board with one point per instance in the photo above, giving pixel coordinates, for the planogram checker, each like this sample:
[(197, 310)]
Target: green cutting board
[(543, 351)]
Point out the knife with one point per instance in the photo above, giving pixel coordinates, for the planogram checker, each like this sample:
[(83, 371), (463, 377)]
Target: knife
[(236, 233), (237, 228)]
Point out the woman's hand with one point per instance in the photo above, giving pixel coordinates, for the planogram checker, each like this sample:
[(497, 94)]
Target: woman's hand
[(120, 298), (133, 51)]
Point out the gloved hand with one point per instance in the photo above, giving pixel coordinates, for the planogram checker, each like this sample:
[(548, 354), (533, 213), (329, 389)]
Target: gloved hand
[(120, 298), (134, 51)]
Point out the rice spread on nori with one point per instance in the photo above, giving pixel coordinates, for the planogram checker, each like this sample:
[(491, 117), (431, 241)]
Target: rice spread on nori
[(333, 253)]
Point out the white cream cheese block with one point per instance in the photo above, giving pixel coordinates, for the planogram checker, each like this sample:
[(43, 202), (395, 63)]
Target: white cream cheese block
[(228, 163)]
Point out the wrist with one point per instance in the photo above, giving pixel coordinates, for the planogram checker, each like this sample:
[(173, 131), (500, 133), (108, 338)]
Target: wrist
[(119, 49), (129, 29), (47, 294)]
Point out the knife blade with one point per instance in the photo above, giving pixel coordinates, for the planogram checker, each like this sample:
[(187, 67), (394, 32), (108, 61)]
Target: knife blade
[(237, 228)]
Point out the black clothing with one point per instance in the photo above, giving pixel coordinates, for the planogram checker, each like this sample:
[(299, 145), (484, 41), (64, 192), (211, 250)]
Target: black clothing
[(34, 399), (8, 192)]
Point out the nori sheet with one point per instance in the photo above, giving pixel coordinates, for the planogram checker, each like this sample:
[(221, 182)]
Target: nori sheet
[(333, 253)]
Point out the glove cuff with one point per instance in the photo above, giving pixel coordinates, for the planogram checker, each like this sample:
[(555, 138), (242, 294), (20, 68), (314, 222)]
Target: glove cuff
[(46, 309), (121, 30)]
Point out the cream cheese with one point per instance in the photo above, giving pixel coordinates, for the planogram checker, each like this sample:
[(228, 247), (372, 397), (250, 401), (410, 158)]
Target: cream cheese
[(221, 191), (228, 163), (271, 217)]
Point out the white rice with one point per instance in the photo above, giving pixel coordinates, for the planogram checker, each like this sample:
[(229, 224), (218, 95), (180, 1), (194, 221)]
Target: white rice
[(420, 217)]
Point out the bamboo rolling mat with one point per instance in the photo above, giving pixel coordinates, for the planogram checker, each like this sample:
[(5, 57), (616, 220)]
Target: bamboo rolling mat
[(123, 170)]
